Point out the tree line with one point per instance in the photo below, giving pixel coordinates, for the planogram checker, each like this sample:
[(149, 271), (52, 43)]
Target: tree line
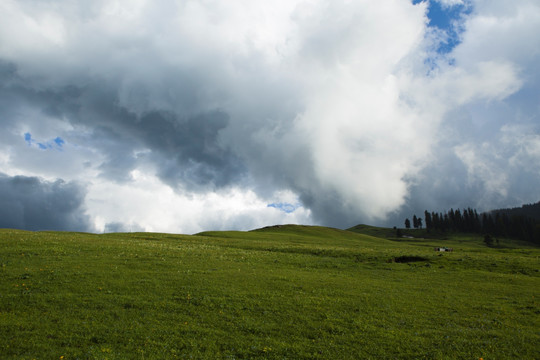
[(498, 223)]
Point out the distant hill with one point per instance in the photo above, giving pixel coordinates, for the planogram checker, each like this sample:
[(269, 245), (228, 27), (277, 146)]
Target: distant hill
[(381, 232), (529, 210), (391, 233)]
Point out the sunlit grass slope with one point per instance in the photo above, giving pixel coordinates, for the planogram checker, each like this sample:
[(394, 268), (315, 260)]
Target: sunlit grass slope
[(287, 292)]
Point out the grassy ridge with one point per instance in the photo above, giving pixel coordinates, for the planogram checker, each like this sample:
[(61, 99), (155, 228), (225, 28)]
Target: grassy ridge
[(288, 292)]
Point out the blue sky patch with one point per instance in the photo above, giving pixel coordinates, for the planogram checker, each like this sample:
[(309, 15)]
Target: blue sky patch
[(28, 138), (59, 141), (285, 207), (447, 19), (56, 143)]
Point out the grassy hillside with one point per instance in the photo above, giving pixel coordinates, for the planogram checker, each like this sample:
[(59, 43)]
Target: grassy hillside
[(441, 238), (374, 231), (287, 292)]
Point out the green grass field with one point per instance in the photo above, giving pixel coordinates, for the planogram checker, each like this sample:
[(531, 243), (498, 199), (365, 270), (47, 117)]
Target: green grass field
[(288, 292)]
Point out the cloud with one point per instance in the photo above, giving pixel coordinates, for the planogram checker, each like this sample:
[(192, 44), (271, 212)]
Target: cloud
[(34, 204), (353, 131), (450, 3), (167, 211), (485, 156), (184, 115), (121, 227)]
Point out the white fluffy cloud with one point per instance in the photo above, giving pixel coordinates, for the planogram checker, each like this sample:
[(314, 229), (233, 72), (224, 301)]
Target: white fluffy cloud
[(449, 3), (168, 211)]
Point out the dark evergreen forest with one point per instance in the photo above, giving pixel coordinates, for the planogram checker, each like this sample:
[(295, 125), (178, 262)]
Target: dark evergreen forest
[(518, 223)]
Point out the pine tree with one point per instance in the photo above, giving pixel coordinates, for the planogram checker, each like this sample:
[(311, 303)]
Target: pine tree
[(429, 224)]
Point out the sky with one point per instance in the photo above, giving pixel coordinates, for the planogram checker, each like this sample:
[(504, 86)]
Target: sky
[(190, 115)]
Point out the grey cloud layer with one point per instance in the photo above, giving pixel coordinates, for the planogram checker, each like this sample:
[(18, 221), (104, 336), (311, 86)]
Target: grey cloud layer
[(34, 204), (184, 149)]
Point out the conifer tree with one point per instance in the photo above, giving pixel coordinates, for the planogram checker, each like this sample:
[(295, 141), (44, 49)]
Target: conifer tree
[(427, 217)]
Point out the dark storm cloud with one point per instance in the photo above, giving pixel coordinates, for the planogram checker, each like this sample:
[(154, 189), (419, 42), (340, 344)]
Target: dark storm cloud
[(185, 149), (31, 203), (17, 93), (330, 208), (191, 149)]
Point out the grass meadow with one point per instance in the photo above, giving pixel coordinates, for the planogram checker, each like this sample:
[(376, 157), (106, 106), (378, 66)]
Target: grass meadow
[(288, 292)]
